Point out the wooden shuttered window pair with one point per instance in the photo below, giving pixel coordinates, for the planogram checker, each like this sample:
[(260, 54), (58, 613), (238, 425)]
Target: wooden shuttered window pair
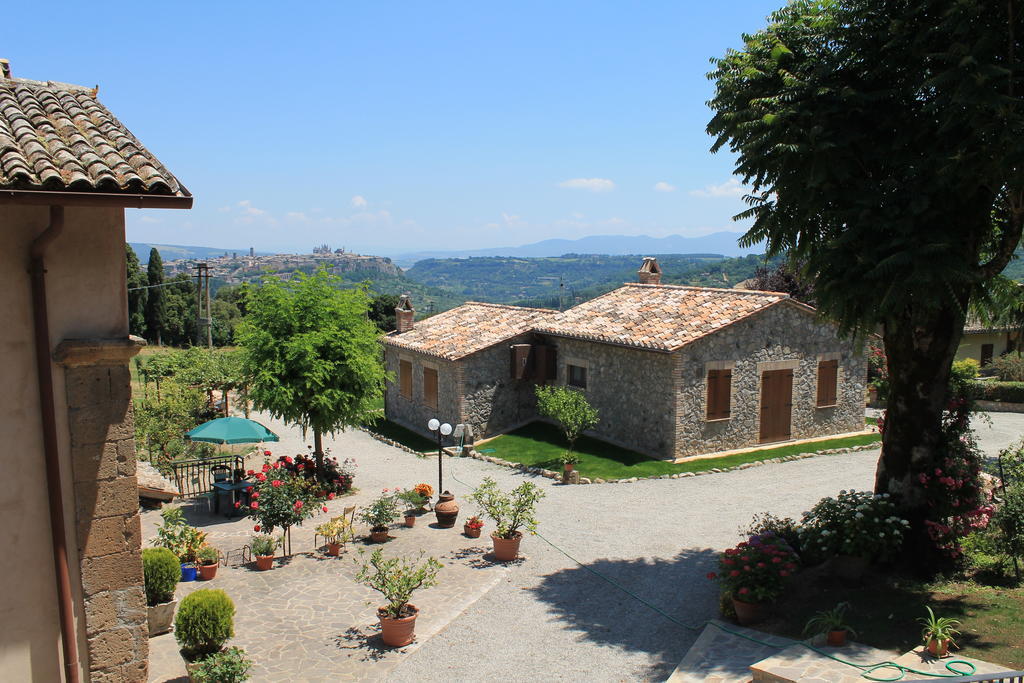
[(828, 379), (430, 388), (405, 378), (719, 394)]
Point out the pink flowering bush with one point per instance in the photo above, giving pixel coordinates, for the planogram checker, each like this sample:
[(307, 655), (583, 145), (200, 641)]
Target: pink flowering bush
[(756, 570), (281, 498)]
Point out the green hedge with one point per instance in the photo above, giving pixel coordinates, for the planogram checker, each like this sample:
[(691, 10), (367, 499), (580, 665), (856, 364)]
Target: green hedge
[(1007, 392), (162, 571)]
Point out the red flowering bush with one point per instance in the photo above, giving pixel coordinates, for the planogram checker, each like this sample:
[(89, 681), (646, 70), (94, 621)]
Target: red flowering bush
[(756, 570), (281, 498)]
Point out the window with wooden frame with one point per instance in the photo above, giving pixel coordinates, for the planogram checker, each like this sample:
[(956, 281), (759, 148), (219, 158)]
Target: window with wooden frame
[(430, 388), (576, 376), (828, 380), (719, 394), (405, 378)]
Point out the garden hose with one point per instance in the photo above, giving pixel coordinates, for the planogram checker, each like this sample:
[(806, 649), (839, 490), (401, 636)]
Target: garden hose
[(867, 670)]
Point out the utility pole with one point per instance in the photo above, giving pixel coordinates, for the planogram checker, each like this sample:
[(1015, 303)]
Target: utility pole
[(203, 294)]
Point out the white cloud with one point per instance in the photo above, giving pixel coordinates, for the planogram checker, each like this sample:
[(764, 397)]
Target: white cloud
[(590, 184), (730, 188), (149, 219), (296, 216), (247, 208), (662, 186), (359, 201), (510, 219)]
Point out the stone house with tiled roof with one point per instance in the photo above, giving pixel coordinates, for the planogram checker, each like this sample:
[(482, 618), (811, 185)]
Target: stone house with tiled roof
[(984, 342), (75, 608), (674, 371)]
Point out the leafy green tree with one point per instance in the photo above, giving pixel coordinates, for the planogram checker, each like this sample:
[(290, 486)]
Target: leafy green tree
[(312, 354), (180, 310), (137, 295), (382, 311), (569, 408), (881, 142), (156, 311)]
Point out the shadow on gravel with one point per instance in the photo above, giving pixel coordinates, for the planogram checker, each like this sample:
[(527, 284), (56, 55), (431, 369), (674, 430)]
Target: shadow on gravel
[(606, 615)]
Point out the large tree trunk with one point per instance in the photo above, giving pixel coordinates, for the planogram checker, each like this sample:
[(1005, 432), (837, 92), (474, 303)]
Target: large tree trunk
[(920, 351), (318, 454)]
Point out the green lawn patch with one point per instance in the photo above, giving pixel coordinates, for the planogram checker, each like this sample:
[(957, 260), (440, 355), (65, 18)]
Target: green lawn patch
[(885, 610), (396, 432), (539, 444)]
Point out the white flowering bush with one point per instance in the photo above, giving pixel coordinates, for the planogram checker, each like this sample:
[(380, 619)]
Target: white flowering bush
[(854, 523)]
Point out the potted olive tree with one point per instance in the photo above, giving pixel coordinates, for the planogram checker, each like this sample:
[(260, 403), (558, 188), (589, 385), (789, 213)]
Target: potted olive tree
[(396, 578), (161, 571), (510, 511)]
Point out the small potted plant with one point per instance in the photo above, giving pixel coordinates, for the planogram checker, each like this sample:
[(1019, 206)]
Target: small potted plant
[(335, 532), (263, 546), (396, 578), (832, 623), (208, 558), (230, 665), (510, 513), (754, 574), (205, 621), (379, 514), (569, 461), (426, 492), (416, 502), (161, 572), (473, 526), (938, 633), (180, 538)]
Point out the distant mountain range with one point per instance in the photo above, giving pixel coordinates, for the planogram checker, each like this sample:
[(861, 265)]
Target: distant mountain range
[(724, 243), (173, 252)]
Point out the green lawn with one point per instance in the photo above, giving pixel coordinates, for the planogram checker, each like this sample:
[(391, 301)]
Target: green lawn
[(398, 433), (539, 444)]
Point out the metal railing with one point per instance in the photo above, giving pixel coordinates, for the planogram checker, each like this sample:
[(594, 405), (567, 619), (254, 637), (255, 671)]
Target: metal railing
[(193, 477)]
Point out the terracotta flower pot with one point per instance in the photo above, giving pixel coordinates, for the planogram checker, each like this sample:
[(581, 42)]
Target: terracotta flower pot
[(471, 531), (568, 467), (506, 549), (398, 632), (937, 647), (208, 571), (264, 562), (333, 549), (750, 612), (836, 638), (410, 520), (378, 536)]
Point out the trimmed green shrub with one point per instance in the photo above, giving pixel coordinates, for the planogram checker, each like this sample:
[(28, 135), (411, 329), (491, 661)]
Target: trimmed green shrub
[(229, 666), (162, 571), (1007, 392), (1008, 367), (205, 621)]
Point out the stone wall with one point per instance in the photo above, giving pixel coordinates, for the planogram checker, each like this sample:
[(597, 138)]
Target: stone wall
[(632, 389), (413, 413), (493, 402), (781, 333)]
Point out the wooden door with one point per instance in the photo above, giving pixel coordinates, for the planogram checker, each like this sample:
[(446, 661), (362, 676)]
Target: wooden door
[(776, 405)]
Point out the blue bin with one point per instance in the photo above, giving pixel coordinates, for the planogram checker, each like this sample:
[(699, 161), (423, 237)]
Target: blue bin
[(188, 572)]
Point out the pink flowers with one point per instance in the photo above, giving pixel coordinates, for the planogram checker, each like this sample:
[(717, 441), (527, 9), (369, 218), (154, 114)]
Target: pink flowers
[(266, 467), (330, 496), (261, 477), (256, 528), (298, 505), (238, 504), (324, 508), (266, 453), (276, 483), (288, 459), (254, 505), (255, 495), (743, 591)]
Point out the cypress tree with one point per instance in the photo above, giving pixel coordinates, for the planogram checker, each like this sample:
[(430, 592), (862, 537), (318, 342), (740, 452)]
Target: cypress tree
[(155, 309), (137, 298)]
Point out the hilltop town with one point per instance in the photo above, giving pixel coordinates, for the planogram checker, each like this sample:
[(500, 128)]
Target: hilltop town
[(234, 268)]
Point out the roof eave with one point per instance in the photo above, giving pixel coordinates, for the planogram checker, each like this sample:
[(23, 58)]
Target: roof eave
[(127, 201)]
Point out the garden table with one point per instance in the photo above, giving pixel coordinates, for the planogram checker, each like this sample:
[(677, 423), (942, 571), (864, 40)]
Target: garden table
[(230, 488)]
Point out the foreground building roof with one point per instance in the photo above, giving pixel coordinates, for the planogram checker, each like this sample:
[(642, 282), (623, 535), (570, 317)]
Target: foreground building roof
[(56, 137), (467, 329)]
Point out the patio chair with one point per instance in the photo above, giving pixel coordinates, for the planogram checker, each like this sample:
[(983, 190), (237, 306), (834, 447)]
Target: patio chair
[(347, 518), (220, 473)]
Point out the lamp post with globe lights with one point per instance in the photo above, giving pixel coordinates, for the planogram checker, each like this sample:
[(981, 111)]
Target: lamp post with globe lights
[(441, 430)]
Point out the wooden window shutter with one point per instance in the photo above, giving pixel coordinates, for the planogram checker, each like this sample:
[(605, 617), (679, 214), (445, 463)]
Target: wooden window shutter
[(520, 361), (430, 388), (719, 394), (405, 378), (828, 377)]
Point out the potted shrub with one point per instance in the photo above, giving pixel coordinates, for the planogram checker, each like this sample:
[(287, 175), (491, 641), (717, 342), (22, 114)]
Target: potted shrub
[(473, 526), (569, 461), (754, 574), (416, 501), (205, 621), (396, 578), (161, 571), (283, 497), (208, 558), (335, 532), (938, 633), (230, 665), (180, 538), (510, 513), (263, 546), (426, 492), (379, 514), (832, 623)]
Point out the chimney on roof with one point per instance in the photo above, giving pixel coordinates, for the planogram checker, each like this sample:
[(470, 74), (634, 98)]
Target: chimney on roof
[(5, 69), (650, 271), (404, 314)]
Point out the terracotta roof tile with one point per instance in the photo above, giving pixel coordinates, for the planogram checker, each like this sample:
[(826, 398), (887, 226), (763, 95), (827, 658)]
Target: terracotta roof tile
[(58, 137), (467, 329), (659, 317)]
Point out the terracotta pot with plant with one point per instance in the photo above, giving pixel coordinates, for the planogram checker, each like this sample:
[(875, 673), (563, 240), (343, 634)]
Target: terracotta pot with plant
[(208, 559), (263, 546), (335, 532), (472, 527), (938, 633), (396, 579), (832, 623), (754, 575), (510, 512), (569, 461), (161, 572), (380, 513), (416, 500)]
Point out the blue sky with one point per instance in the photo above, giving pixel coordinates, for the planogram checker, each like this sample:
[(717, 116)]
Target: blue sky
[(396, 126)]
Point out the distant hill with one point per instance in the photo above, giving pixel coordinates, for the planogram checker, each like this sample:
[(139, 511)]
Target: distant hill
[(173, 252), (721, 243)]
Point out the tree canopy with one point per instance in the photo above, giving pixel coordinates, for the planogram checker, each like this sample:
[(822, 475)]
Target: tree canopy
[(137, 293), (569, 408)]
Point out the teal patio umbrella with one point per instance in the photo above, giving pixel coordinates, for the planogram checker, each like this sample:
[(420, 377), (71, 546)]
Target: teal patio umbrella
[(231, 430)]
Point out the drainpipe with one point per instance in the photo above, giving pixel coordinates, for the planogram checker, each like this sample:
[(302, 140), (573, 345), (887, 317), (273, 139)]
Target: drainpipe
[(44, 370)]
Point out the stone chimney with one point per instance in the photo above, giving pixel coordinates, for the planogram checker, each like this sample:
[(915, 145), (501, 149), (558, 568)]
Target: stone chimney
[(5, 69), (404, 314), (650, 271)]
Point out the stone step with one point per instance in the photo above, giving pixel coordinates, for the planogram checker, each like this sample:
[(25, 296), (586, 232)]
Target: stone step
[(919, 660), (800, 663), (718, 656)]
